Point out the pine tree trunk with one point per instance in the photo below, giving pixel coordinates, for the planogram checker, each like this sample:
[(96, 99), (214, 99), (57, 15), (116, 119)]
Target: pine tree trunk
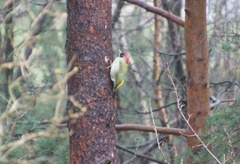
[(197, 69), (89, 28)]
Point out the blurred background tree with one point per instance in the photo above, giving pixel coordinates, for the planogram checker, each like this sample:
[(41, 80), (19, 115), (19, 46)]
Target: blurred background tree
[(34, 73)]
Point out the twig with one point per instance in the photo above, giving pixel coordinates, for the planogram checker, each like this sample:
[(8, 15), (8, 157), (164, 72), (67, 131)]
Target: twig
[(157, 109), (224, 83), (156, 133), (27, 137), (179, 106), (176, 54), (138, 155), (231, 146), (135, 155), (171, 54), (39, 3)]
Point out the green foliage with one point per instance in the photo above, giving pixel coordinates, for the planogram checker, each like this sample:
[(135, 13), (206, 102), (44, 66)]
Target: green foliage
[(225, 133), (223, 139), (54, 149), (57, 148), (19, 152)]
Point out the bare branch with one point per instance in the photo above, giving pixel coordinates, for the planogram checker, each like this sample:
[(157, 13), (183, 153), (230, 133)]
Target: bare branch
[(177, 54), (39, 3), (230, 144), (171, 54), (148, 128), (12, 145), (180, 106), (162, 107), (228, 83), (137, 154), (158, 11), (156, 133)]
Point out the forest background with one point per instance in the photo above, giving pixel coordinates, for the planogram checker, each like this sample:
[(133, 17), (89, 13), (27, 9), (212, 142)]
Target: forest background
[(34, 75)]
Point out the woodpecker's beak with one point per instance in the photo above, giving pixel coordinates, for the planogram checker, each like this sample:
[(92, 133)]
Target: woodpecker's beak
[(119, 52)]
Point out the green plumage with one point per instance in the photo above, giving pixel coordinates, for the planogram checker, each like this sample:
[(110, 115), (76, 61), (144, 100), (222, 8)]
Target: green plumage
[(118, 72)]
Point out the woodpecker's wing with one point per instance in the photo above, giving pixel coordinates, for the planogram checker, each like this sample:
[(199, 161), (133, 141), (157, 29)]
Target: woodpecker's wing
[(115, 68), (122, 70), (118, 72), (121, 74)]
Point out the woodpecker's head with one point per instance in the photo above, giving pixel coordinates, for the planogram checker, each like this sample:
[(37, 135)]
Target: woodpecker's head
[(125, 56)]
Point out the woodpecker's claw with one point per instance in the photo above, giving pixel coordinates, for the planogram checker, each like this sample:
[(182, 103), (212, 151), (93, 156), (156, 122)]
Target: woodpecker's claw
[(107, 60)]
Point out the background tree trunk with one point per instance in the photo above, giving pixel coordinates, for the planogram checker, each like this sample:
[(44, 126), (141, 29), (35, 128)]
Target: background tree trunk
[(163, 115), (89, 28), (197, 69)]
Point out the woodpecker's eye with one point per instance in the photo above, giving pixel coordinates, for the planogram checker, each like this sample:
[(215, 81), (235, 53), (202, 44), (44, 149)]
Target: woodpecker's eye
[(121, 54)]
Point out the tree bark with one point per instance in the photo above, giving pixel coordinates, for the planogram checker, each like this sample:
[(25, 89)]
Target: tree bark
[(197, 69), (89, 28)]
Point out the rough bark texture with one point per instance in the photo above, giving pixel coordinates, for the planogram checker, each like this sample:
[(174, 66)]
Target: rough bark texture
[(89, 28), (197, 68)]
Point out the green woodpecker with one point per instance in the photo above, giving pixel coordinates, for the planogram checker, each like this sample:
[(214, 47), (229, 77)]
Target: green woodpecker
[(119, 70)]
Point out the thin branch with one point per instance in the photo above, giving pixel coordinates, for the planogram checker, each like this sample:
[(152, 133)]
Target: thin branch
[(162, 107), (171, 54), (230, 144), (156, 133), (229, 83), (14, 144), (180, 106), (158, 11), (177, 54), (60, 126), (149, 128), (39, 3), (215, 102), (152, 141), (137, 154)]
